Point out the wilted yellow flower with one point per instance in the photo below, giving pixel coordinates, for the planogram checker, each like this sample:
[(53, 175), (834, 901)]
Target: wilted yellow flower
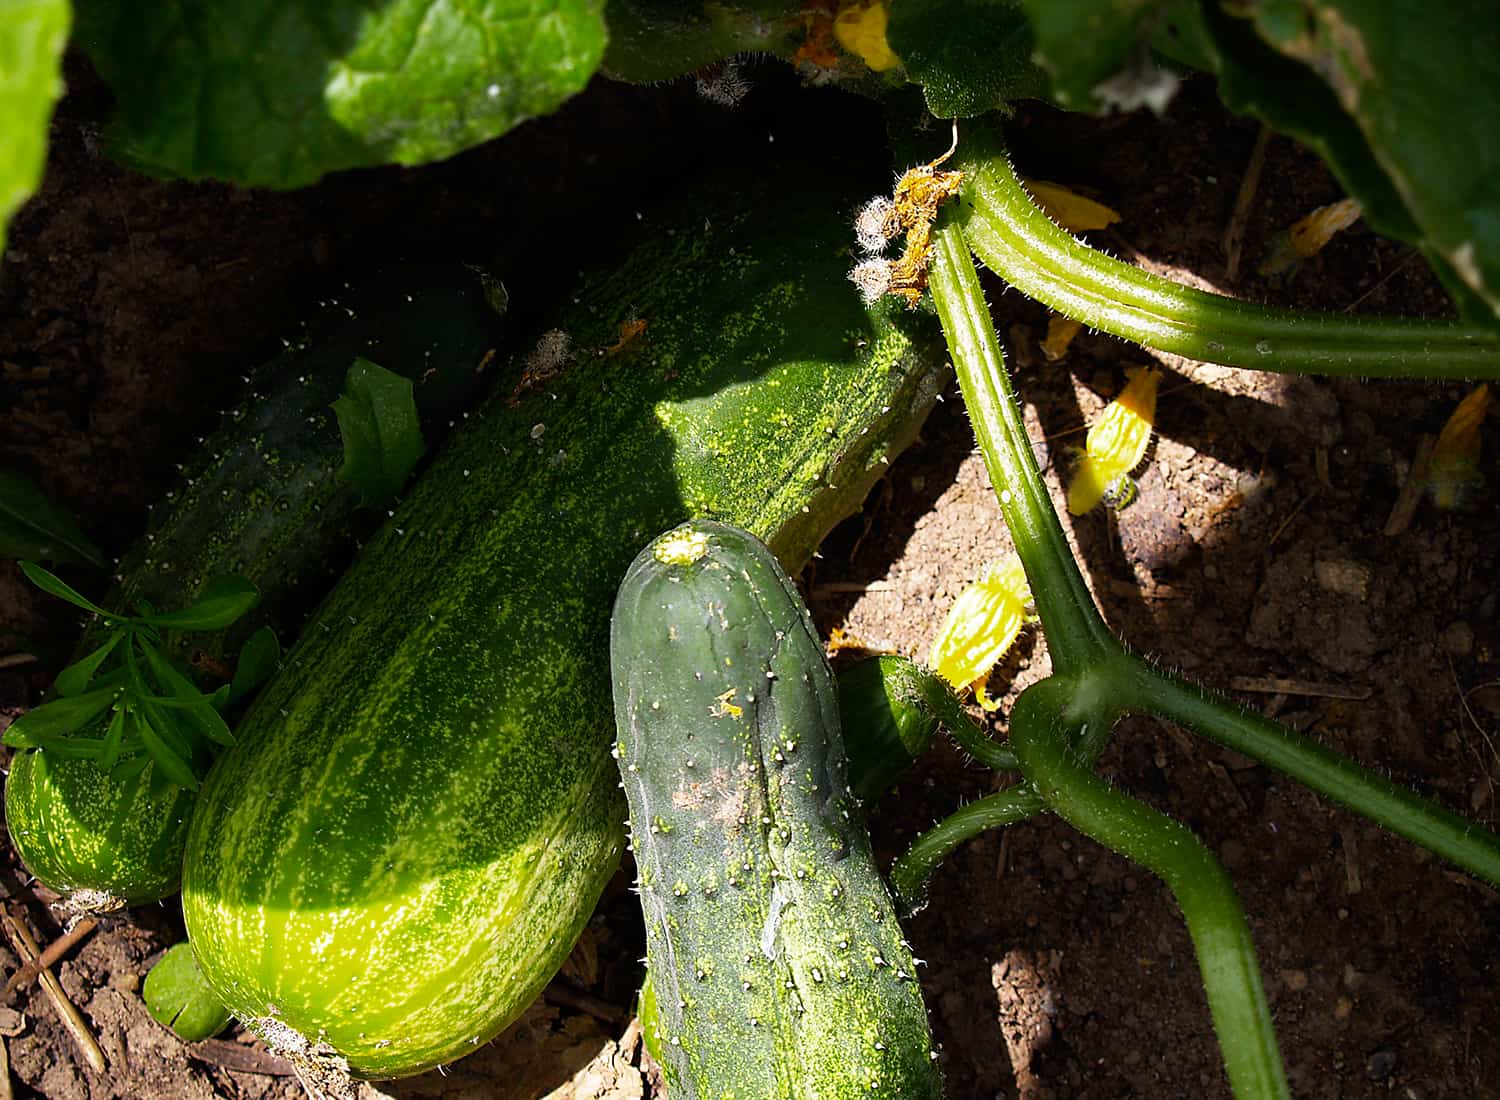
[(981, 626), (1308, 235), (1117, 442), (1069, 209), (1453, 468)]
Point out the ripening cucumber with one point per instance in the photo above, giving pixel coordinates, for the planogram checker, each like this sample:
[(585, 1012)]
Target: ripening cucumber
[(446, 712), (777, 968), (263, 499)]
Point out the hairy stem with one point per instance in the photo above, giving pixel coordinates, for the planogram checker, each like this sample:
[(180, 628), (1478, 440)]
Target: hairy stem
[(1076, 635), (1226, 956), (1017, 241), (1464, 843)]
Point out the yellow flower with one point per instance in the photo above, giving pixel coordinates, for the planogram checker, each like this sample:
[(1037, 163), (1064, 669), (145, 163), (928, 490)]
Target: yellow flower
[(1117, 442), (981, 626), (860, 29)]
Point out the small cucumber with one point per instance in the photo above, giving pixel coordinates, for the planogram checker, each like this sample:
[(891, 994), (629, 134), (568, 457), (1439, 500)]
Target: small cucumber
[(777, 966), (887, 722)]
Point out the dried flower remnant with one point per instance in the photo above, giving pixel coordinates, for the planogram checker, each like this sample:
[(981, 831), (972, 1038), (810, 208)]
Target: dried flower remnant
[(1116, 444), (1453, 468), (912, 209), (873, 277), (723, 83), (981, 626), (549, 358), (630, 331), (876, 225)]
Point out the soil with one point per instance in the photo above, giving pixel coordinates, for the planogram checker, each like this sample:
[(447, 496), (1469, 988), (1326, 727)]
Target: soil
[(130, 307)]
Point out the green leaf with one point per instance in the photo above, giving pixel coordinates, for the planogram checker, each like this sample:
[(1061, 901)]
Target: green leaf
[(130, 767), (970, 56), (279, 92), (196, 706), (1420, 85), (171, 762), (55, 586), (58, 718), (222, 600), (1390, 95), (31, 526), (73, 679), (258, 658), (178, 996), (32, 36), (382, 437), (114, 741), (1095, 51)]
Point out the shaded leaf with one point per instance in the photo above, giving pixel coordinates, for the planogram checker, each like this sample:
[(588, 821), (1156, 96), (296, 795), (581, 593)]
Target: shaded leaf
[(1390, 95), (1420, 88), (32, 36), (185, 696), (278, 92), (114, 741), (382, 436), (60, 588), (75, 678), (166, 757), (257, 661), (223, 600), (32, 526), (970, 56), (58, 718)]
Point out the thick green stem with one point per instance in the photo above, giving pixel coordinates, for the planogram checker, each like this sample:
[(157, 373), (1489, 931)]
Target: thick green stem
[(1462, 842), (1226, 955), (1076, 635), (1017, 241)]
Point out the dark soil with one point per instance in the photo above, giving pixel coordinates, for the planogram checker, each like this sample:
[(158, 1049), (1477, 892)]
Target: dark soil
[(130, 308)]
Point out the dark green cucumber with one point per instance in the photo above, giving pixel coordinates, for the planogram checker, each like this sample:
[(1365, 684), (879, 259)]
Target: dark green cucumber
[(446, 712), (264, 500), (777, 967)]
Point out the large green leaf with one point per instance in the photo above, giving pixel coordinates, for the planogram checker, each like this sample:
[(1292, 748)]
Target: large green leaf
[(279, 92), (32, 34), (970, 56), (1397, 96), (1421, 82)]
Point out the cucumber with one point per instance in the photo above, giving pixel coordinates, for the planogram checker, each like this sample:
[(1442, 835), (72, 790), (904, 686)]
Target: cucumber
[(886, 721), (264, 500), (446, 712), (777, 967)]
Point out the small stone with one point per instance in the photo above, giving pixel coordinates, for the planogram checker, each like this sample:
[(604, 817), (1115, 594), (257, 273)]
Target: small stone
[(1380, 1065)]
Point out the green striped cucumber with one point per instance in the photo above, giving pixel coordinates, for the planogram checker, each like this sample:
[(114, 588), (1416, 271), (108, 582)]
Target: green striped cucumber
[(776, 964), (446, 712), (263, 499)]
